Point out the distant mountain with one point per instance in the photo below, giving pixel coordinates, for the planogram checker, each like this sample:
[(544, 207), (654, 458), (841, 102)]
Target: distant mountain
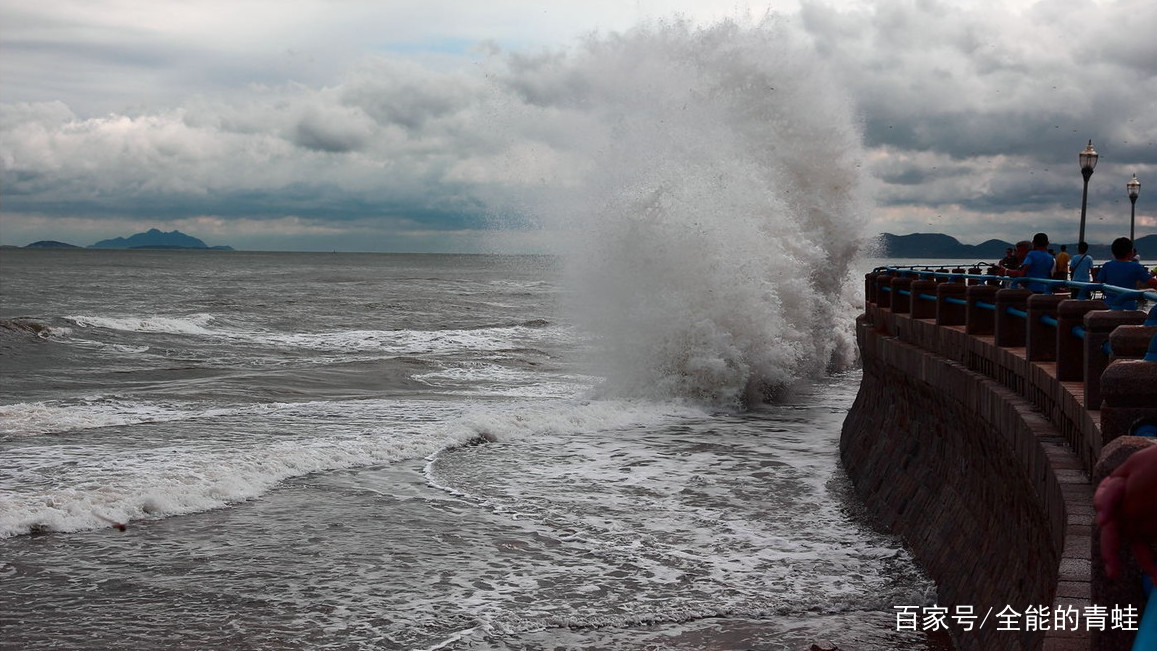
[(156, 239), (938, 245), (50, 244)]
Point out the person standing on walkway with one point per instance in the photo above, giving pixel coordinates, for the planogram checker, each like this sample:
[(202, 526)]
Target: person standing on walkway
[(1126, 273), (1037, 264), (1063, 263), (1082, 267)]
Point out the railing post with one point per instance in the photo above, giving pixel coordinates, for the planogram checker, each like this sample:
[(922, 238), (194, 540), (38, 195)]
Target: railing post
[(870, 288), (1011, 328), (1070, 346), (884, 290), (923, 308), (1129, 386), (1098, 325), (981, 319), (902, 295), (974, 271), (949, 312), (1041, 337), (995, 273), (1131, 341)]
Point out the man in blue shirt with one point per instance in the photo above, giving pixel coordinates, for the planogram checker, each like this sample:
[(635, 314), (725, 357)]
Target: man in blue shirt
[(1081, 266), (1125, 273), (1037, 264)]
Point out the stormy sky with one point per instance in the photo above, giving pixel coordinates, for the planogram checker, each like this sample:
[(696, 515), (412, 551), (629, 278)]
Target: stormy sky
[(392, 126)]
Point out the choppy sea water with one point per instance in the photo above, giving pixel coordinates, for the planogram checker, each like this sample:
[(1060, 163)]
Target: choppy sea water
[(373, 451)]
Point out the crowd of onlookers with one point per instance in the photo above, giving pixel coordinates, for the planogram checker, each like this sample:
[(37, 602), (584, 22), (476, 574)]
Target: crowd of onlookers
[(1126, 501), (1035, 260)]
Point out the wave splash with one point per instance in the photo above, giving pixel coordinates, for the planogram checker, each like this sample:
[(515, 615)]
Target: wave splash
[(716, 209)]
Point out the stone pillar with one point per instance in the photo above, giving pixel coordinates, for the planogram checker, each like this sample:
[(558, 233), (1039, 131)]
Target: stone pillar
[(1131, 341), (1070, 347), (1098, 325), (884, 290), (950, 312), (974, 271), (1011, 329), (1040, 337), (901, 295), (996, 273), (1125, 589), (923, 308), (870, 288), (981, 319), (1128, 393)]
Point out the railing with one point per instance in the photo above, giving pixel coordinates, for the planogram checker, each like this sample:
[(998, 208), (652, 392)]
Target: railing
[(924, 271), (1047, 319)]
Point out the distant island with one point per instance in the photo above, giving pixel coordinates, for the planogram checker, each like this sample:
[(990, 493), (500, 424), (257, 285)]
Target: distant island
[(151, 239), (885, 245), (938, 245), (51, 244)]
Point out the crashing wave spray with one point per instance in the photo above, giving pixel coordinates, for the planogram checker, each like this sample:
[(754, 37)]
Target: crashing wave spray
[(711, 207)]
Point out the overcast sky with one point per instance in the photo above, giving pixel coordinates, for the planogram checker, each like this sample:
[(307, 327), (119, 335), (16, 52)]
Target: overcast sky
[(403, 125)]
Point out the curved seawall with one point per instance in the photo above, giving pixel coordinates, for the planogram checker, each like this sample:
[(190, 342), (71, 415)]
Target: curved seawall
[(970, 438), (978, 483)]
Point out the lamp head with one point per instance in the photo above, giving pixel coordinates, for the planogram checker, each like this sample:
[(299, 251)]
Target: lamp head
[(1088, 158)]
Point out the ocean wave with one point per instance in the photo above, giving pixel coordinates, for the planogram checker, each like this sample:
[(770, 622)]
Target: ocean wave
[(393, 342), (705, 248), (32, 418), (195, 324), (78, 487)]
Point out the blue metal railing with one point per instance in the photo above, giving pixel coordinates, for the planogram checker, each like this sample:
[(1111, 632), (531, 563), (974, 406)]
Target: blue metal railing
[(924, 271)]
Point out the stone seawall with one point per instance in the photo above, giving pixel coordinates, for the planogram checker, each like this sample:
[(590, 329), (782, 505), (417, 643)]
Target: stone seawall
[(983, 487)]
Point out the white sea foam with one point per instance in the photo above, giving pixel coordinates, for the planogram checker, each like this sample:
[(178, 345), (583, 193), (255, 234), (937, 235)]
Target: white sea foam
[(710, 232), (393, 342), (28, 418), (196, 324), (536, 417)]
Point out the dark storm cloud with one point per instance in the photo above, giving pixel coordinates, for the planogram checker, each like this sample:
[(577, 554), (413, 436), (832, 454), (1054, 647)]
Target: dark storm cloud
[(1011, 98), (971, 112)]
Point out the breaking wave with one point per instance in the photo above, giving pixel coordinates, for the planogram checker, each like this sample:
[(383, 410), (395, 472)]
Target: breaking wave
[(711, 232)]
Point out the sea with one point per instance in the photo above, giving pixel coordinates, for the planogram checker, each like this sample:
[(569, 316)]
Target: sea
[(233, 450)]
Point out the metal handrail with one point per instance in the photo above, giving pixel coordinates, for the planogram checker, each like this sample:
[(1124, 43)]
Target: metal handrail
[(924, 271)]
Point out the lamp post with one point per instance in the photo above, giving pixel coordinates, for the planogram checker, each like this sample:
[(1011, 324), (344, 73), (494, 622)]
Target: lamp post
[(1088, 159), (1134, 187)]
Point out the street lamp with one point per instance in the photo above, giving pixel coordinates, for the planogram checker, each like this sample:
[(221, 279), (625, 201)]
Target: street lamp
[(1088, 160), (1134, 188)]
